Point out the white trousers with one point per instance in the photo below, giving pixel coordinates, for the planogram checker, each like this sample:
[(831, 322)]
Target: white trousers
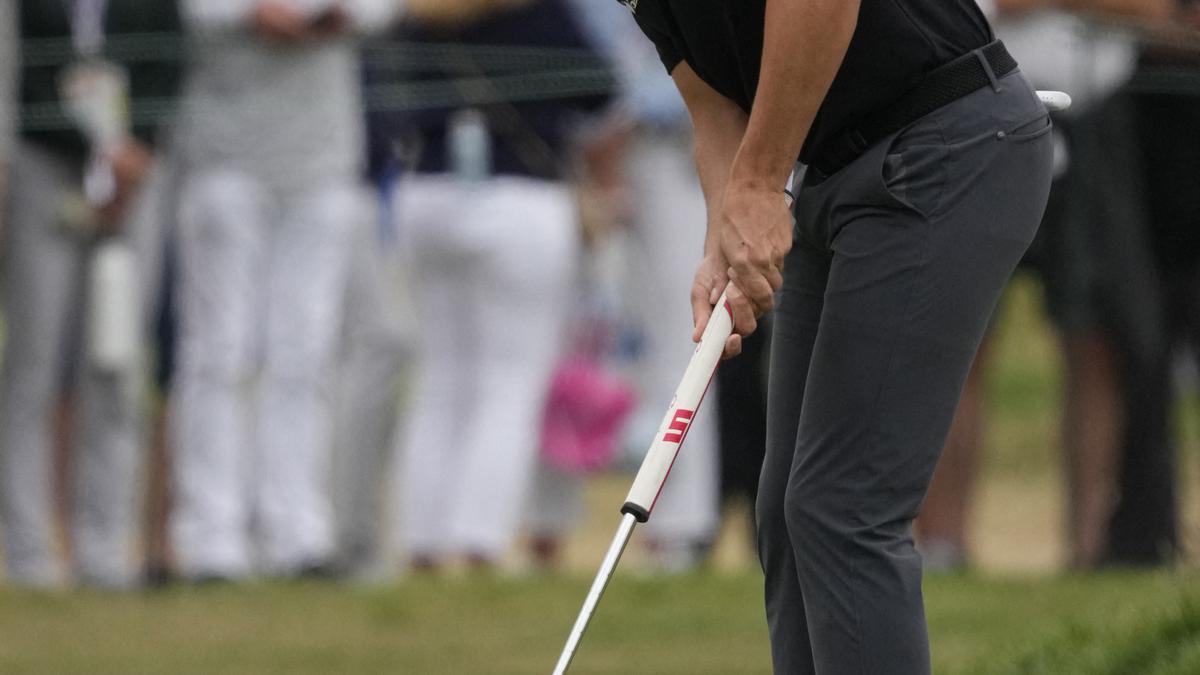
[(493, 263), (44, 270), (262, 280), (667, 245)]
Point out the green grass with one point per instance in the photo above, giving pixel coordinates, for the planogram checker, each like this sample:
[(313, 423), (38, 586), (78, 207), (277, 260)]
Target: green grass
[(700, 624), (1111, 624)]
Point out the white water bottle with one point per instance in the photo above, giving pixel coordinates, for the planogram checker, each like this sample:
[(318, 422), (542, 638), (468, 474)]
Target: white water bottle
[(112, 318), (470, 145)]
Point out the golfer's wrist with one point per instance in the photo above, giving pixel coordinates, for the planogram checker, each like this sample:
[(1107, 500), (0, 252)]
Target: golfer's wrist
[(751, 180), (712, 239), (759, 167)]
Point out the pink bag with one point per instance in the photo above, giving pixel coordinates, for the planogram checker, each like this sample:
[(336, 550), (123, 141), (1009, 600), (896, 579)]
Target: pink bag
[(586, 411)]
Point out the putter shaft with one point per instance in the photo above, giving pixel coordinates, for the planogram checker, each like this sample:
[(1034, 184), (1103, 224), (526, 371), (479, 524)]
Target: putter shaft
[(607, 568)]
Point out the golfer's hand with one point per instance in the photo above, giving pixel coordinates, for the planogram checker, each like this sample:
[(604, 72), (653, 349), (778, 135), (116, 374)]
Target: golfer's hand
[(711, 279), (756, 235)]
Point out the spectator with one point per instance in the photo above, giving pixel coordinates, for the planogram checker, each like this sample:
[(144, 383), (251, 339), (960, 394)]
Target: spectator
[(1166, 114), (1094, 259), (666, 216), (158, 561), (273, 138), (75, 89), (492, 233), (376, 359)]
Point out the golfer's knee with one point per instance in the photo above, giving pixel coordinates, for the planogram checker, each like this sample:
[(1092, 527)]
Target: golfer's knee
[(814, 514), (771, 524)]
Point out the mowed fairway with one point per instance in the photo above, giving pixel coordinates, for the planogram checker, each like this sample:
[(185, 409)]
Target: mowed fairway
[(703, 623)]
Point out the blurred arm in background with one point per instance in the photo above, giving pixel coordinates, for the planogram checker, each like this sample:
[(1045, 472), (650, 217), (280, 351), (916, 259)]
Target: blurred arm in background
[(290, 22), (455, 12)]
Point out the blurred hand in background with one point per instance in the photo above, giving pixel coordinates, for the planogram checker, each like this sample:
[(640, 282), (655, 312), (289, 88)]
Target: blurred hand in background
[(281, 22), (131, 162), (332, 22), (603, 187)]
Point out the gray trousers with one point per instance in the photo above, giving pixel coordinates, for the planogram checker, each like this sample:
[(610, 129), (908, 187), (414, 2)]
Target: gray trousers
[(898, 262), (43, 294)]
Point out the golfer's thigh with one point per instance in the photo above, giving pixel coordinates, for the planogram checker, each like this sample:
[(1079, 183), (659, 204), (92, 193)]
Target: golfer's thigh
[(897, 334), (794, 332)]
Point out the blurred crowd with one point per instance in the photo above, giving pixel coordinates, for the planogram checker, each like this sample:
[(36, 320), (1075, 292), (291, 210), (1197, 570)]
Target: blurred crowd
[(339, 288)]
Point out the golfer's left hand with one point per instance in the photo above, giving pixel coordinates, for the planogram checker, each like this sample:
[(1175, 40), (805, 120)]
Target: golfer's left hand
[(756, 235)]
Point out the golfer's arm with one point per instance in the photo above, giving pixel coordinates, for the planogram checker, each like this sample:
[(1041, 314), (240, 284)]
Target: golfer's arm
[(804, 44), (719, 125)]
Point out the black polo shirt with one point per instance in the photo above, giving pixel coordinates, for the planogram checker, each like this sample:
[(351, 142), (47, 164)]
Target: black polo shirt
[(895, 44)]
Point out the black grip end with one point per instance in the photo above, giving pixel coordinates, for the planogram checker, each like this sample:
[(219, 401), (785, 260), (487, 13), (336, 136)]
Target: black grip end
[(639, 513)]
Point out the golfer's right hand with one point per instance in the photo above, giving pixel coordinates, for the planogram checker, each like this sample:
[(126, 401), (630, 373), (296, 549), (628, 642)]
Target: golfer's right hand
[(710, 282)]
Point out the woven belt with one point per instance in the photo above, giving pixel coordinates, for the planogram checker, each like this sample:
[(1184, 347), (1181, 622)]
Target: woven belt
[(940, 87)]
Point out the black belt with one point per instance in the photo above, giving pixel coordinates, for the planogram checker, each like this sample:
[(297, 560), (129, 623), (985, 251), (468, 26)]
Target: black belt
[(940, 87)]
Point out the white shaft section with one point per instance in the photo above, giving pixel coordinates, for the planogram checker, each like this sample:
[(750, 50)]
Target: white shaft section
[(624, 532), (674, 428)]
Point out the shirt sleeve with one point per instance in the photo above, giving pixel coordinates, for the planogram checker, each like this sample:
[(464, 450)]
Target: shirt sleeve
[(647, 94), (656, 27)]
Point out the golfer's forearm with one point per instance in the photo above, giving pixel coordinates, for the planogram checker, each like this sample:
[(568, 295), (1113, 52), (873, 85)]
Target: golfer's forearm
[(803, 47), (718, 127), (714, 155)]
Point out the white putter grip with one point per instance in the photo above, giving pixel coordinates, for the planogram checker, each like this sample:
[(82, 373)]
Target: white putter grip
[(678, 420)]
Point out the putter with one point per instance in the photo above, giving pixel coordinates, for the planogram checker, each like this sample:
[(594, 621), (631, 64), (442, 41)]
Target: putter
[(639, 504), (652, 475)]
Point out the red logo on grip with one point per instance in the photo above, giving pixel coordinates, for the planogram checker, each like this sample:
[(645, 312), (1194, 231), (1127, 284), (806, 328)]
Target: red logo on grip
[(679, 426)]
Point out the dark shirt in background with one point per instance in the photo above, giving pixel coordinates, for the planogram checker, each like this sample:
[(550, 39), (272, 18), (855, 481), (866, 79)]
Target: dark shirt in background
[(144, 36), (529, 133)]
